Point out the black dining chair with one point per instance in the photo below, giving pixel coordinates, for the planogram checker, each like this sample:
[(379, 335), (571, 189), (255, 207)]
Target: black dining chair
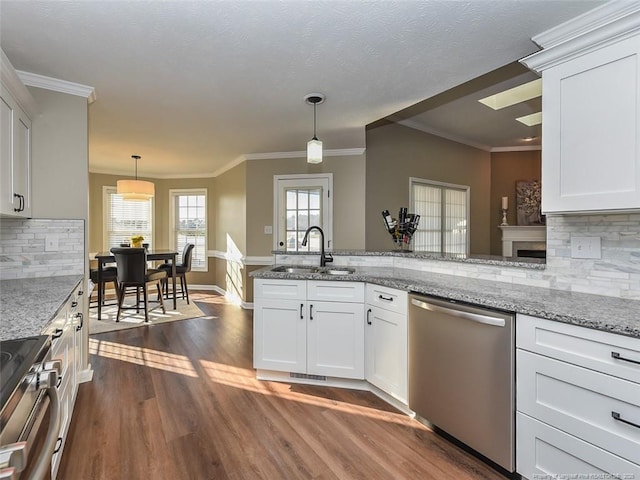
[(134, 274), (109, 275), (181, 271)]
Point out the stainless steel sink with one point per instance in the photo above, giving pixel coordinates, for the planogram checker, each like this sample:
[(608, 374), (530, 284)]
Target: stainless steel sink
[(296, 269), (320, 270), (337, 271)]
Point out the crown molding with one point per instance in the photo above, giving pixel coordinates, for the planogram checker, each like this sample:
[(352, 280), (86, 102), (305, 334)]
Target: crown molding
[(345, 152), (57, 85), (12, 81), (340, 152), (593, 30)]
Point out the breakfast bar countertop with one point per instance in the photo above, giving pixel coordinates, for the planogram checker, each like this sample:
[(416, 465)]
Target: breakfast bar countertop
[(610, 314), (27, 305)]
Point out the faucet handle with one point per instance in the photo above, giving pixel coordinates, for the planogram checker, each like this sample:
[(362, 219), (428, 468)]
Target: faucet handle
[(328, 258)]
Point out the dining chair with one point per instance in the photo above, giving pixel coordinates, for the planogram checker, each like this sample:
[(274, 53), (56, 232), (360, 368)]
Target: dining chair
[(134, 274), (181, 271), (109, 275)]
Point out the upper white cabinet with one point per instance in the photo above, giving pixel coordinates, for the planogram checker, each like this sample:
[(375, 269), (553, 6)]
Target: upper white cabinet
[(15, 157), (590, 70)]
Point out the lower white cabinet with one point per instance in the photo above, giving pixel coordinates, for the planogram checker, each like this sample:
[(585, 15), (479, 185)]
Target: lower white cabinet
[(386, 340), (578, 401), (295, 332), (64, 331)]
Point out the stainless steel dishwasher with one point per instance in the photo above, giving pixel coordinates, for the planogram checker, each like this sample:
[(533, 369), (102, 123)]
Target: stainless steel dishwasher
[(461, 374)]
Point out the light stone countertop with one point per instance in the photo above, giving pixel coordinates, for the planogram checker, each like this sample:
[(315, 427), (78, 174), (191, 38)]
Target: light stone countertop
[(27, 305), (495, 260), (610, 314)]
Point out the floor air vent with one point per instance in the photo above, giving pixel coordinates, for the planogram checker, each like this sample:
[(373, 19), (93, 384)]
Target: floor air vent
[(309, 377)]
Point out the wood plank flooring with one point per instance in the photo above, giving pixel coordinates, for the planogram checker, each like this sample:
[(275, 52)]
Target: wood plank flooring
[(181, 401)]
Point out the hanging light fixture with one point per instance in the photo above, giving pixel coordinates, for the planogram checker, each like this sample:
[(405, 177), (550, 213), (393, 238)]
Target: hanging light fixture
[(137, 190), (314, 146)]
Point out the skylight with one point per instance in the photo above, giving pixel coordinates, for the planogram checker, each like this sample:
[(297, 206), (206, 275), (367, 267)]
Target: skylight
[(514, 95)]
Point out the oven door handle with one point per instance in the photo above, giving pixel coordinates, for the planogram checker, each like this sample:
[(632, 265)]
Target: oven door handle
[(43, 463)]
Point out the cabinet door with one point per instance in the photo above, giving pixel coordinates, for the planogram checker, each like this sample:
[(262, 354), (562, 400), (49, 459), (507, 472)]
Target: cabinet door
[(336, 339), (386, 351), (591, 131), (280, 335), (15, 158)]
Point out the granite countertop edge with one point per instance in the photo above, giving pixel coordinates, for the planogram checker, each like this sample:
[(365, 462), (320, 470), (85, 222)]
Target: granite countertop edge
[(530, 263), (609, 314), (28, 305)]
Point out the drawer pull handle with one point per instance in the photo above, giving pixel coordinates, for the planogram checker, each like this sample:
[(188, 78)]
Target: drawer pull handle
[(617, 356), (58, 445), (388, 299), (74, 304), (310, 312), (368, 313), (57, 333), (301, 307), (616, 416)]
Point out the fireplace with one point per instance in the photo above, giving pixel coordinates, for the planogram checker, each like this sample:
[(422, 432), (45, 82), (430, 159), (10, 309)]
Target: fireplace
[(524, 241)]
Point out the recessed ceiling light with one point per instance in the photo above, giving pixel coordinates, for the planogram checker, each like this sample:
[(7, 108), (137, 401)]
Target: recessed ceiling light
[(528, 139), (531, 120), (514, 95)]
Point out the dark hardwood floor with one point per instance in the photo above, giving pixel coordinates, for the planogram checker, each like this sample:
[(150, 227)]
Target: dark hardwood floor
[(180, 401)]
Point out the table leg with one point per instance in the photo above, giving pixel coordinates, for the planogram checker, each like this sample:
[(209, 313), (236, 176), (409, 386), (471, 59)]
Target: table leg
[(173, 275), (99, 289)]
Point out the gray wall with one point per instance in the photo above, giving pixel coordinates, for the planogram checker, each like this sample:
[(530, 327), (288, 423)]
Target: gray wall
[(396, 152)]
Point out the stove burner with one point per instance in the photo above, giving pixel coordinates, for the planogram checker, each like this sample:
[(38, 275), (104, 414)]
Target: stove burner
[(4, 358)]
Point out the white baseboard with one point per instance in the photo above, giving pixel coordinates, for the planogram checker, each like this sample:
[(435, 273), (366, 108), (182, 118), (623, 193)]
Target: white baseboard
[(85, 375), (232, 298)]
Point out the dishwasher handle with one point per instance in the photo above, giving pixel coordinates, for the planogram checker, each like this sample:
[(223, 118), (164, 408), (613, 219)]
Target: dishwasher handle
[(474, 317)]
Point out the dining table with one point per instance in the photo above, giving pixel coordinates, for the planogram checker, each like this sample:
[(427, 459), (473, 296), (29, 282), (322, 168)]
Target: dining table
[(104, 258)]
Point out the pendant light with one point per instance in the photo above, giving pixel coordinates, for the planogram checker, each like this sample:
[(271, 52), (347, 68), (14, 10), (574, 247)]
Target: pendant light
[(314, 146), (136, 190)]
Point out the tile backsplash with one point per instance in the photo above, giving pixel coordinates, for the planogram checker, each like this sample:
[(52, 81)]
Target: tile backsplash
[(615, 274), (23, 253)]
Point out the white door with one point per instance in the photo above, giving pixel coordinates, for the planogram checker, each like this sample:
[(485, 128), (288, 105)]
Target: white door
[(302, 201), (386, 351), (336, 339), (280, 335)]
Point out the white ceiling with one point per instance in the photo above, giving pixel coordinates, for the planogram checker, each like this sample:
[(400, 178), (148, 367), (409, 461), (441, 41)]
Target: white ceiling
[(192, 85)]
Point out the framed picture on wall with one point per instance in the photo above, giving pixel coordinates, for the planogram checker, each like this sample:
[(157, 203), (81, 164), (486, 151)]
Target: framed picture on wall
[(528, 195)]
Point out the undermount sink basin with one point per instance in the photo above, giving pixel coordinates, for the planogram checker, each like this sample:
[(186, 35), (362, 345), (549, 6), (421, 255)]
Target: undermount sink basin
[(337, 271), (321, 270), (296, 269)]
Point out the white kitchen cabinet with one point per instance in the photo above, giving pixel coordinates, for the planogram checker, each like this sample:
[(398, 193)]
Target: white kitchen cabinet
[(386, 340), (280, 335), (578, 400), (591, 111), (295, 332), (335, 340), (15, 157)]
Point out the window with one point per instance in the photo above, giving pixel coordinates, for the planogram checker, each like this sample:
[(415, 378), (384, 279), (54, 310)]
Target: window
[(124, 219), (302, 201), (188, 224), (444, 216)]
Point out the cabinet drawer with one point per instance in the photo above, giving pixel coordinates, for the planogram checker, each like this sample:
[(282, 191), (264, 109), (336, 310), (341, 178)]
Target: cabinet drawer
[(284, 289), (546, 452), (580, 402), (387, 298), (328, 291), (582, 346)]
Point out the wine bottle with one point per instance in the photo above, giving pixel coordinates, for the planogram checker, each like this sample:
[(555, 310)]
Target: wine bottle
[(388, 221)]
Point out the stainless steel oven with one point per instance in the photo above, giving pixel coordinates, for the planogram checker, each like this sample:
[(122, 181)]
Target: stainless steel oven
[(29, 408)]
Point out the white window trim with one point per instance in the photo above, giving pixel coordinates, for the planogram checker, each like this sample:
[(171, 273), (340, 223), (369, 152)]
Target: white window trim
[(303, 180), (466, 188), (106, 189), (172, 221)]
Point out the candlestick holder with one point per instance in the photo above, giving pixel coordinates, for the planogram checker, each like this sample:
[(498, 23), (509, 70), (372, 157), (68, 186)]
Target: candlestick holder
[(504, 218)]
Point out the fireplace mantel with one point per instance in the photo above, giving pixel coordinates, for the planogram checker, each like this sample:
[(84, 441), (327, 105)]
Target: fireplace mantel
[(535, 237)]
